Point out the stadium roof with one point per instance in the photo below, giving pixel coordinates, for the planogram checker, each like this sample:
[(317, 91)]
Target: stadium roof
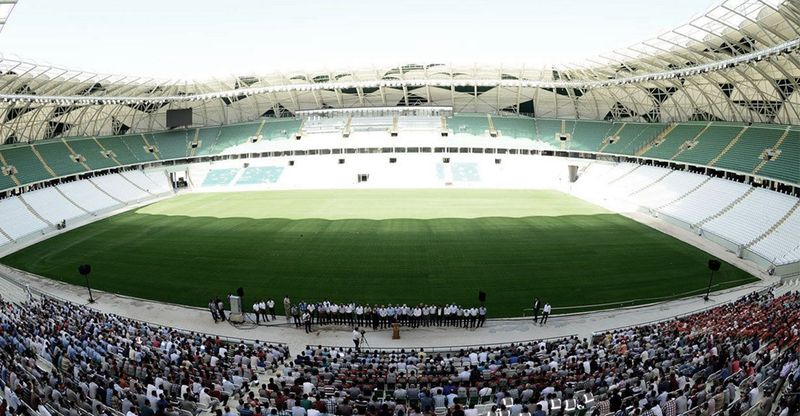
[(738, 61)]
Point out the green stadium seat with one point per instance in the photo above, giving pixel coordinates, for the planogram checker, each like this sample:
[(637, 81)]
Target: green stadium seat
[(745, 154), (58, 157), (280, 129), (546, 131), (172, 144), (515, 127), (786, 166), (709, 144), (256, 175), (128, 149), (91, 152), (474, 124), (589, 135), (633, 136), (6, 182), (29, 168), (231, 136), (208, 139), (673, 141), (220, 177)]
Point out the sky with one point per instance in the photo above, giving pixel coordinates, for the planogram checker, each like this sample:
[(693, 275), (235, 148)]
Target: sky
[(201, 39)]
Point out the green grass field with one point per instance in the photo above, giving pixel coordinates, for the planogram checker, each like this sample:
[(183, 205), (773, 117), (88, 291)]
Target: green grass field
[(379, 246)]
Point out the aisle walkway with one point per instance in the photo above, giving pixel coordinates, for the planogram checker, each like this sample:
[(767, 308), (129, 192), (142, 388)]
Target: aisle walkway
[(495, 331)]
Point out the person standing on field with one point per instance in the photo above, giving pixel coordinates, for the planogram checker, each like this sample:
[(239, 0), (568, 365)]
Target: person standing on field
[(537, 305), (545, 312), (287, 307), (262, 307), (257, 312), (271, 307)]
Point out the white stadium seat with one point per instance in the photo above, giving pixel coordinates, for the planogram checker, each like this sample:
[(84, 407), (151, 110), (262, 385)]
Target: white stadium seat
[(752, 216), (52, 206), (119, 188), (17, 220), (87, 196), (709, 199)]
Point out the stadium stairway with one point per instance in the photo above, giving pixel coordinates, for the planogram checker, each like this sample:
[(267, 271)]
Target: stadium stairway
[(72, 202), (775, 145), (661, 178), (43, 162), (607, 140), (683, 147), (728, 147), (618, 178), (91, 181), (774, 226), (691, 191), (34, 212), (81, 159), (4, 179), (107, 151), (655, 140), (726, 209)]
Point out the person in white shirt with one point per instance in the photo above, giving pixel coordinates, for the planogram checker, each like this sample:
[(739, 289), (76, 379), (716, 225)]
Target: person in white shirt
[(270, 308), (546, 312), (357, 338), (262, 307), (257, 312)]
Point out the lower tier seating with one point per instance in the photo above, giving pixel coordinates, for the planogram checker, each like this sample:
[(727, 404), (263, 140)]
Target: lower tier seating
[(52, 205), (17, 221), (708, 200), (87, 196), (119, 188)]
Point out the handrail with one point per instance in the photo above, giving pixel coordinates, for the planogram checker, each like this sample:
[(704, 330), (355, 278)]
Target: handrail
[(685, 314), (448, 348)]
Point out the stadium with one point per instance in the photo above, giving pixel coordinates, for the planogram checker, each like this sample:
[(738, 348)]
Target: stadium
[(618, 236)]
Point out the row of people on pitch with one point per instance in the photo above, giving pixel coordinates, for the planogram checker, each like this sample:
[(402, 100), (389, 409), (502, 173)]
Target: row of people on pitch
[(264, 310), (328, 313)]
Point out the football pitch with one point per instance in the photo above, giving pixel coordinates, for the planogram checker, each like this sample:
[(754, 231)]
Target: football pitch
[(380, 246)]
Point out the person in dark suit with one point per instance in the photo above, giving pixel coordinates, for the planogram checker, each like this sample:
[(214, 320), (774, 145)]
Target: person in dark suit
[(537, 306)]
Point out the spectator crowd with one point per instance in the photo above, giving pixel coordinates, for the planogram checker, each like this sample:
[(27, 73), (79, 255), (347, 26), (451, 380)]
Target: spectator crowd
[(65, 359)]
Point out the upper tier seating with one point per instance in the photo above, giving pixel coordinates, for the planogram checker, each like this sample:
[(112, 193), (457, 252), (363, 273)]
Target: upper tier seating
[(280, 128), (58, 158), (745, 154), (787, 165), (17, 220), (709, 144), (119, 188), (474, 124), (318, 124), (713, 144), (516, 127), (52, 205), (220, 177), (673, 141), (632, 137), (752, 216), (127, 149), (255, 175), (207, 138), (29, 168), (232, 136), (87, 196), (589, 135), (172, 144), (92, 153), (424, 123)]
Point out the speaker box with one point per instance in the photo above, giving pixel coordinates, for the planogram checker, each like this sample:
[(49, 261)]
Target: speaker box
[(714, 265)]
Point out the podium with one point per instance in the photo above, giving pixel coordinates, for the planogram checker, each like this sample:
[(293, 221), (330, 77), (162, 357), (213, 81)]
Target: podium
[(236, 315), (395, 331)]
